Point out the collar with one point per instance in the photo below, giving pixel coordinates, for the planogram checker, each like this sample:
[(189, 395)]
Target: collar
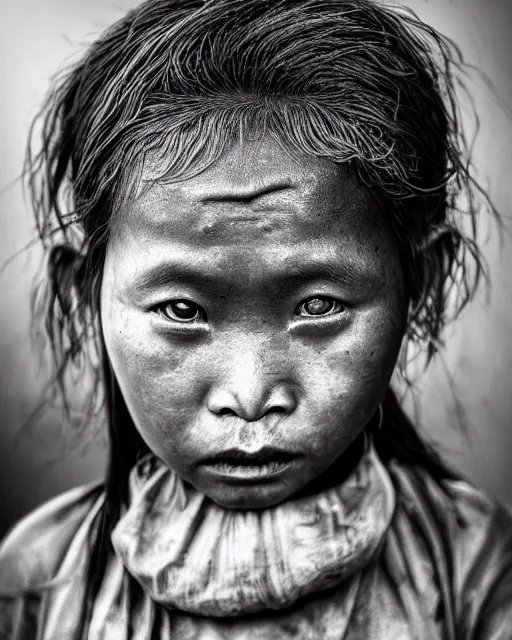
[(192, 555)]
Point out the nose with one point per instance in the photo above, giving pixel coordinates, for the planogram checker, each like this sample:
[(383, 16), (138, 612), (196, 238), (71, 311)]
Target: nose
[(252, 386)]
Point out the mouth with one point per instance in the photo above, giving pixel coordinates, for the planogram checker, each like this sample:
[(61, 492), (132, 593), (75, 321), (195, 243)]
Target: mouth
[(239, 467)]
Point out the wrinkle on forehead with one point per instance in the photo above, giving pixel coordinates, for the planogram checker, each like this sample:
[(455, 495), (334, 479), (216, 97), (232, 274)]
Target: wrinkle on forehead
[(254, 190)]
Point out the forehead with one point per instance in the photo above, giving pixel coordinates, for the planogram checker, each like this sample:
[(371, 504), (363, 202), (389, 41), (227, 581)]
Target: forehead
[(255, 195)]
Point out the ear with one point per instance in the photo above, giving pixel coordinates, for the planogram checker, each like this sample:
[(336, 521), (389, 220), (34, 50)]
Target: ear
[(437, 236)]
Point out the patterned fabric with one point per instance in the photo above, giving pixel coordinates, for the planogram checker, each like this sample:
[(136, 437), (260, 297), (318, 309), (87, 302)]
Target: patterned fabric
[(441, 570)]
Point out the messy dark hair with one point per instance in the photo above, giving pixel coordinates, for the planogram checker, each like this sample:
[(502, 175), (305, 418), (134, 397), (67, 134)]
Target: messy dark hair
[(175, 82)]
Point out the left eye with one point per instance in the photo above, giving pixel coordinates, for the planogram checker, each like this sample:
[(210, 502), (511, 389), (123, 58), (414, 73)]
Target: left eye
[(320, 306), (181, 311)]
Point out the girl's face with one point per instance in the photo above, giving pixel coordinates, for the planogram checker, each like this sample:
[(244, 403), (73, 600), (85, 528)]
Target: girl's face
[(252, 316)]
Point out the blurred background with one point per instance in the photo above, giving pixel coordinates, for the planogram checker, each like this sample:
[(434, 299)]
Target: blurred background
[(37, 37)]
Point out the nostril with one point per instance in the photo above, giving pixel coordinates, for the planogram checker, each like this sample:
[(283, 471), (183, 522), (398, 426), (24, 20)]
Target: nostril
[(227, 412), (271, 411), (278, 411), (253, 404)]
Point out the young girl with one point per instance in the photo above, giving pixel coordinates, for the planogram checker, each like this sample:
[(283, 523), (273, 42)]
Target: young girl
[(248, 207)]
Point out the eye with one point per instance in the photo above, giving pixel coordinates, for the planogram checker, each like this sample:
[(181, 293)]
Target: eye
[(183, 311), (320, 306)]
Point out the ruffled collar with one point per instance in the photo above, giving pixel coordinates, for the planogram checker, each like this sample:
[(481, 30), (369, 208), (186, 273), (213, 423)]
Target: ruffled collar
[(192, 555)]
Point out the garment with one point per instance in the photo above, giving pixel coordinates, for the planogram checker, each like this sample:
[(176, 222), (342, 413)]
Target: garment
[(389, 554)]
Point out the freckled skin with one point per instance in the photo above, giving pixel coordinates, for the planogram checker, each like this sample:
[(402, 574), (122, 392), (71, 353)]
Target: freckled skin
[(253, 372)]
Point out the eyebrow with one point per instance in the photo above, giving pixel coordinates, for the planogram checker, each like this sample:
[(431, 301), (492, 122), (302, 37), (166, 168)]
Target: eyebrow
[(344, 270), (163, 273), (347, 271)]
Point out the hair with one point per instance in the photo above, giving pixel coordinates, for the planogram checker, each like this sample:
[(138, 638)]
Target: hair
[(174, 83)]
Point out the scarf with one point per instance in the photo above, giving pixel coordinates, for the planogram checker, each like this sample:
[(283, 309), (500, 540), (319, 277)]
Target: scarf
[(192, 555)]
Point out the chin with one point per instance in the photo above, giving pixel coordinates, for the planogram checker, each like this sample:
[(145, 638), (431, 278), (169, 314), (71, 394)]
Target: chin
[(251, 497)]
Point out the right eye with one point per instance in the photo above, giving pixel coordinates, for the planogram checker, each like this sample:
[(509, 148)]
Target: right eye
[(182, 311)]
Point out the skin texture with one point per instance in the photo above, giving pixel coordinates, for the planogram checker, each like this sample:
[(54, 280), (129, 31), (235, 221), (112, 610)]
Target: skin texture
[(247, 243)]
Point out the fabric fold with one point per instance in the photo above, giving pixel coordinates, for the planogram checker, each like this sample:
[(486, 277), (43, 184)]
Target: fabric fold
[(192, 555)]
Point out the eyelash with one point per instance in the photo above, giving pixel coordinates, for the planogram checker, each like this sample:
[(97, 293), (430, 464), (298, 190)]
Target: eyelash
[(161, 310), (337, 308)]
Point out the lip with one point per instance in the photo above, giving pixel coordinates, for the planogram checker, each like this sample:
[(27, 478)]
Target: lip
[(237, 466)]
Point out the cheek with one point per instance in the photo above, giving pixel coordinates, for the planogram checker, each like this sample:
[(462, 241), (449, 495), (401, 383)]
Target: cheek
[(369, 353), (348, 376), (160, 381)]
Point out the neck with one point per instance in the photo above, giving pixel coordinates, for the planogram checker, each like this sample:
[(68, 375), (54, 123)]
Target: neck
[(339, 470)]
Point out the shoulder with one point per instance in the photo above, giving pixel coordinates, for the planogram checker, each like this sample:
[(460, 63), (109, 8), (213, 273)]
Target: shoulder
[(36, 548), (459, 504), (469, 535), (469, 520)]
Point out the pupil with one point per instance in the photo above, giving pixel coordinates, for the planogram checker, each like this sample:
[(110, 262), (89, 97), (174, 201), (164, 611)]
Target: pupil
[(317, 306), (183, 310)]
